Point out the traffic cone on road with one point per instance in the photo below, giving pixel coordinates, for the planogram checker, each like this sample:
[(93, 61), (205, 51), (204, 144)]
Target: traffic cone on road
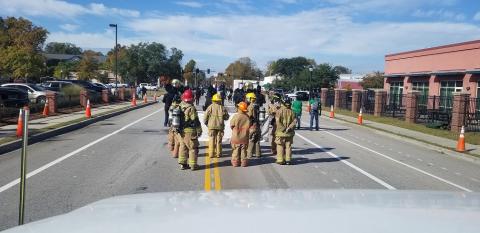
[(332, 114), (20, 124), (88, 111), (134, 101), (145, 98), (360, 117), (461, 141), (45, 109)]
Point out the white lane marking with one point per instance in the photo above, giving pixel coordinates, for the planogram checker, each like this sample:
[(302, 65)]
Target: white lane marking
[(458, 173), (335, 181), (374, 178), (444, 168), (420, 159), (56, 161), (402, 163), (476, 180), (323, 172)]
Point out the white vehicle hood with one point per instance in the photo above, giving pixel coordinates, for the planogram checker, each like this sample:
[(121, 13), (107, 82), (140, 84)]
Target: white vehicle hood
[(273, 211)]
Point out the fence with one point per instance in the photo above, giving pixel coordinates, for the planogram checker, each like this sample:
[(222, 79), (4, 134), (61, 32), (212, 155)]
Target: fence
[(394, 106), (434, 111), (346, 102), (330, 98), (368, 101), (472, 119)]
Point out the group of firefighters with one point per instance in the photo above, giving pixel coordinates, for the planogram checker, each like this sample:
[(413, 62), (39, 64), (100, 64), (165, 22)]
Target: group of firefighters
[(185, 128)]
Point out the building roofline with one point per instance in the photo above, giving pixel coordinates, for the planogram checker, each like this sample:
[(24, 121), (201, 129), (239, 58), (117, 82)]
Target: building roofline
[(434, 48)]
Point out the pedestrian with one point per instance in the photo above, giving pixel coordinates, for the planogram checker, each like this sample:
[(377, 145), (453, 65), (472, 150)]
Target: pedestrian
[(144, 91), (192, 130), (173, 131), (214, 118), (255, 132), (198, 95), (260, 98), (285, 123), (240, 124), (315, 110), (272, 109), (297, 110)]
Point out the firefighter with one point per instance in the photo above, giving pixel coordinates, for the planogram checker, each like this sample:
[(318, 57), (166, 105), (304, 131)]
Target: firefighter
[(191, 131), (240, 125), (173, 134), (214, 118), (254, 135), (272, 109), (285, 130)]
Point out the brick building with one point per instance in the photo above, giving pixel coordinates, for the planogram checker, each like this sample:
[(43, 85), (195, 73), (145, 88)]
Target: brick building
[(437, 71)]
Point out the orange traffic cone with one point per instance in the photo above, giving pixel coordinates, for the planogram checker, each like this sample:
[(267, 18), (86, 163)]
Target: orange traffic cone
[(20, 124), (88, 111), (461, 141), (360, 117), (45, 109), (145, 98), (134, 101), (332, 114)]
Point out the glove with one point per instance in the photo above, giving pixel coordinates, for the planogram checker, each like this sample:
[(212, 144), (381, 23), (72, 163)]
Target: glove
[(199, 133)]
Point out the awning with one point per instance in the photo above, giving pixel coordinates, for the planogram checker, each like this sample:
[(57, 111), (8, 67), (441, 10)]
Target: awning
[(474, 71)]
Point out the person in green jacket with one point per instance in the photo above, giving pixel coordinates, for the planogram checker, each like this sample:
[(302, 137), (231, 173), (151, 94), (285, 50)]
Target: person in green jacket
[(297, 110)]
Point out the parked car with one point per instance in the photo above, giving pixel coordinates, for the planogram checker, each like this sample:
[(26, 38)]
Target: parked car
[(13, 97), (301, 95), (87, 85), (56, 85), (36, 93), (118, 84)]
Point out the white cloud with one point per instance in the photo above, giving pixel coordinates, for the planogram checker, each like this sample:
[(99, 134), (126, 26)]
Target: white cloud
[(477, 16), (69, 27), (444, 14), (190, 4), (59, 9)]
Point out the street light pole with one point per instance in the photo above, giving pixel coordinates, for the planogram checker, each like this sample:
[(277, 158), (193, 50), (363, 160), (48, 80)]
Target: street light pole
[(116, 56), (310, 82)]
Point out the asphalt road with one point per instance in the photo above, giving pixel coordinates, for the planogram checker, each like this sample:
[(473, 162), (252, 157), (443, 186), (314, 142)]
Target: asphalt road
[(127, 154)]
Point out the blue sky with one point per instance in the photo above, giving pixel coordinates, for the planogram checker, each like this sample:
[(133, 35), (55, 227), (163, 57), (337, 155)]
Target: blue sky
[(354, 33)]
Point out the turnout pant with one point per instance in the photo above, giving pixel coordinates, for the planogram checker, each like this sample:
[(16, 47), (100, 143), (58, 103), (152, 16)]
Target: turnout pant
[(284, 149), (254, 144), (171, 139), (215, 143), (239, 151), (188, 146), (176, 146)]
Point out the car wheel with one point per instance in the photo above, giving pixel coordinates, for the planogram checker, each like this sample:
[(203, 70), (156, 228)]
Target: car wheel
[(41, 99)]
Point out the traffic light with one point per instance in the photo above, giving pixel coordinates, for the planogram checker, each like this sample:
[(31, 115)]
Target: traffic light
[(208, 71)]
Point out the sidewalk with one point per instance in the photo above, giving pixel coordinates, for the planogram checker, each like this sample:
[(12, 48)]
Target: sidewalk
[(43, 124), (430, 139)]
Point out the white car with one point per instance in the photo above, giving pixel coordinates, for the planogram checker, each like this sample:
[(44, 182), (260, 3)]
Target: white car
[(118, 84), (302, 95), (36, 94), (148, 86)]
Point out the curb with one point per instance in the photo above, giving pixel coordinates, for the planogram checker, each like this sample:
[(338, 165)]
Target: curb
[(431, 146), (17, 144)]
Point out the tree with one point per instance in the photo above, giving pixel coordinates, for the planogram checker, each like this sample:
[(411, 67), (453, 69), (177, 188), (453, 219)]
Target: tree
[(290, 67), (342, 70), (62, 48), (20, 46), (373, 80), (88, 66), (63, 69), (188, 70), (243, 68), (323, 75)]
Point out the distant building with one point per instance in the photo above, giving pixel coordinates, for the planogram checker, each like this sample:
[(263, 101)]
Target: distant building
[(70, 57), (437, 71), (350, 81)]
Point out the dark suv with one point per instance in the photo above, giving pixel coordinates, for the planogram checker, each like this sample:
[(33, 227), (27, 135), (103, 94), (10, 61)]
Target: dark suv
[(13, 97)]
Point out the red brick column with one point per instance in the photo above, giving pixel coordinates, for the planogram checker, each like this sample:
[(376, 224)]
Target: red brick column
[(52, 102), (105, 96), (133, 92), (411, 106), (121, 93), (83, 98), (380, 98), (340, 95), (459, 110), (323, 97), (356, 100)]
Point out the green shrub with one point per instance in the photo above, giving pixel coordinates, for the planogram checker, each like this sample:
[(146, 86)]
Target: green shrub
[(71, 90)]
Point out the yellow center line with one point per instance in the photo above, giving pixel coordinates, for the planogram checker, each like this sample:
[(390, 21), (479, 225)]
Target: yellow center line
[(207, 173)]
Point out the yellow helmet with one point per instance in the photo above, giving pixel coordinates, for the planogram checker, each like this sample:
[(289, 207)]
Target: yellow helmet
[(250, 96), (217, 97)]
